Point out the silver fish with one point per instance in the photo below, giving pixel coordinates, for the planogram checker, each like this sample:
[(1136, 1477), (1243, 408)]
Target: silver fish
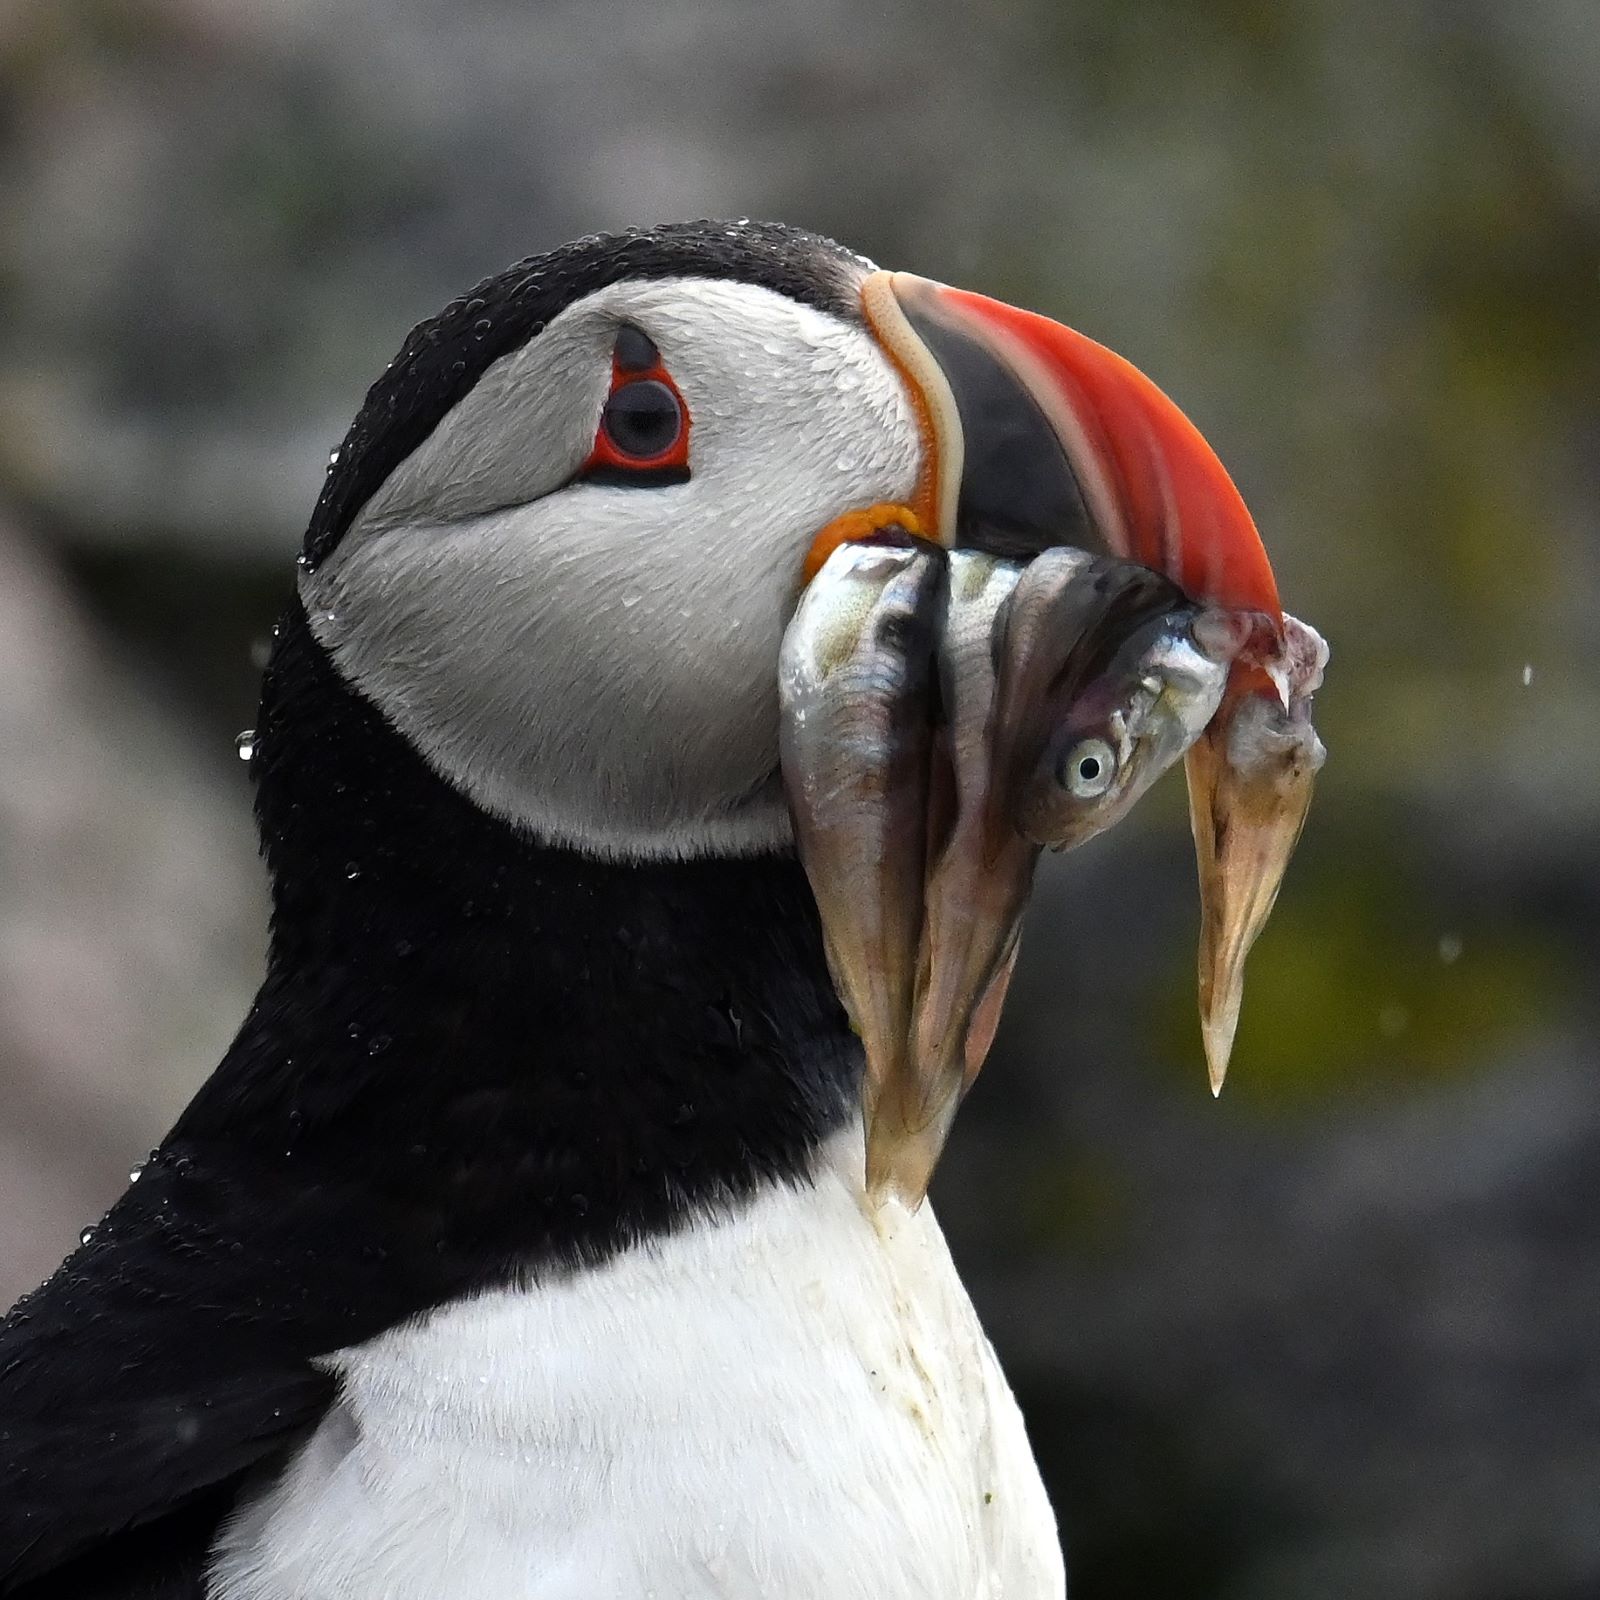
[(1250, 782), (1109, 674), (856, 686), (979, 876)]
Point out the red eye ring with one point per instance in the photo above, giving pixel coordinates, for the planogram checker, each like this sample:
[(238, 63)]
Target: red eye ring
[(642, 438)]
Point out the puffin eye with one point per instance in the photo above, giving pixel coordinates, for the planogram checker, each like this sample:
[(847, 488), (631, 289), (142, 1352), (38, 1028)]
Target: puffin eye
[(643, 437), (1088, 768), (642, 418)]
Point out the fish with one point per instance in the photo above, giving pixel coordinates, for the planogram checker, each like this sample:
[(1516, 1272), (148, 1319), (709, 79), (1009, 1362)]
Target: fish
[(1109, 674), (1250, 776), (946, 717), (857, 690), (979, 876), (1070, 663)]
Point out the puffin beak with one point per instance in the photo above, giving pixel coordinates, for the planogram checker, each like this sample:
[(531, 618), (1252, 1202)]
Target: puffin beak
[(1037, 436)]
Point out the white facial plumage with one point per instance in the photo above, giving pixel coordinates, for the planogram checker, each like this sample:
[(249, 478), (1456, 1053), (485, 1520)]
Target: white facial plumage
[(597, 664)]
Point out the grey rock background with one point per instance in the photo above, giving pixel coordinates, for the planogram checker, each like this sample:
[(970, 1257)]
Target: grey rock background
[(1334, 1335)]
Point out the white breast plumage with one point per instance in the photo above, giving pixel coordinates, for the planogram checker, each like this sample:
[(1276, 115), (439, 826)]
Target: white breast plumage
[(795, 1403)]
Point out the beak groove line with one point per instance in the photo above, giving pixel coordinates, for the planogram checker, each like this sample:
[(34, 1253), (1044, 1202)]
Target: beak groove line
[(938, 488)]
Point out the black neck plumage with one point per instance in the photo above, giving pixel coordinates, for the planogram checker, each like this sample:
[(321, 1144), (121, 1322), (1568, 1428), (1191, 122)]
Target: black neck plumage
[(501, 1054)]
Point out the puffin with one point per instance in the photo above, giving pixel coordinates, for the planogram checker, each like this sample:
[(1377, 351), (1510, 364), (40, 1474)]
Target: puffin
[(518, 1245)]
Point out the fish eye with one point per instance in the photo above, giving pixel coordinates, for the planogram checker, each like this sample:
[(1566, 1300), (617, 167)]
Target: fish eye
[(1088, 768)]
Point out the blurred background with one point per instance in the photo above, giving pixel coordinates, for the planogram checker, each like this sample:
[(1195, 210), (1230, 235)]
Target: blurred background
[(1339, 1333)]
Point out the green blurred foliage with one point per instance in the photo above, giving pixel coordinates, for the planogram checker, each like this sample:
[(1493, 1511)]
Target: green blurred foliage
[(1366, 983)]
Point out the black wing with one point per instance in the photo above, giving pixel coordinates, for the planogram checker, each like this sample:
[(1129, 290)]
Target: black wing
[(166, 1358)]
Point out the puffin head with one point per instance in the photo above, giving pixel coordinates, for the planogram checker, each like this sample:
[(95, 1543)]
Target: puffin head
[(560, 544)]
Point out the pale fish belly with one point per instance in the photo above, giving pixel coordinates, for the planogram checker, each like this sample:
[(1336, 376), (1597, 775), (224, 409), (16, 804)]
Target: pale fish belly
[(795, 1403)]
